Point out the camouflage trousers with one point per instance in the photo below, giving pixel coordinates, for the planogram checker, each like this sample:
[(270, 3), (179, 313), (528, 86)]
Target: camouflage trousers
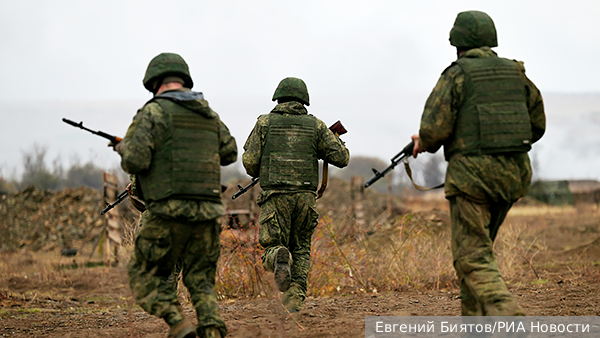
[(289, 220), (175, 277), (474, 228), (160, 245)]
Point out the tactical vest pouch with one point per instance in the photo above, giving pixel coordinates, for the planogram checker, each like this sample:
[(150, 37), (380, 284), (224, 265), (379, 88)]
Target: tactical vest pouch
[(196, 169), (504, 127), (186, 163), (494, 117), (289, 160)]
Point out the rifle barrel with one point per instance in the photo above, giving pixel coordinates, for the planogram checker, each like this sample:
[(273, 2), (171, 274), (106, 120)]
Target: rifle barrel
[(241, 190), (373, 180), (404, 153), (112, 138)]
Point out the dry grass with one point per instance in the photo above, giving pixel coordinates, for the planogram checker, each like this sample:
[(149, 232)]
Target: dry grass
[(516, 249), (411, 250), (49, 274), (539, 210), (391, 257), (404, 252), (240, 272)]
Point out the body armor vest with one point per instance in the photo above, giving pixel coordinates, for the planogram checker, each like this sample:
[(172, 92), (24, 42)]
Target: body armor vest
[(186, 164), (289, 159), (494, 117)]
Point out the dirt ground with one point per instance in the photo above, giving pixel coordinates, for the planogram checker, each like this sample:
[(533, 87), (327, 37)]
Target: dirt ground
[(98, 303)]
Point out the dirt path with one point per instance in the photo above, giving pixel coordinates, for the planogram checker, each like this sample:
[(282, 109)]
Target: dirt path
[(325, 317), (96, 302)]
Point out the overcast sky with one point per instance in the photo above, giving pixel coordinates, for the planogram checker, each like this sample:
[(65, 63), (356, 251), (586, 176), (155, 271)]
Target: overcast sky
[(370, 64)]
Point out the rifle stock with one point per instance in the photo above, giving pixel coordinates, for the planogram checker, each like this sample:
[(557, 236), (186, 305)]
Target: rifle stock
[(404, 153), (338, 128)]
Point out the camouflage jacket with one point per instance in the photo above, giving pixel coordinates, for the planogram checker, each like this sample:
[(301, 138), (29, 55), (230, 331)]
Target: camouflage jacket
[(329, 147), (485, 178), (148, 127)]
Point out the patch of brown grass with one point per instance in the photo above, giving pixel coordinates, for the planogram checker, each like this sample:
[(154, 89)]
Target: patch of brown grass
[(404, 251)]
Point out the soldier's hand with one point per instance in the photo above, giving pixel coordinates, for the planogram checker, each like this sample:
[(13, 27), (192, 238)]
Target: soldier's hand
[(129, 191), (118, 147), (417, 148)]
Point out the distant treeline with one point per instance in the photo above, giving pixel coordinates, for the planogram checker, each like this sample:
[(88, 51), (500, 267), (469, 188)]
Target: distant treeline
[(37, 173), (428, 170)]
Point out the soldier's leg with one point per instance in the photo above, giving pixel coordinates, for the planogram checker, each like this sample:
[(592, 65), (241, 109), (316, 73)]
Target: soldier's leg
[(304, 222), (498, 213), (199, 264), (175, 276), (482, 288), (274, 229), (151, 264)]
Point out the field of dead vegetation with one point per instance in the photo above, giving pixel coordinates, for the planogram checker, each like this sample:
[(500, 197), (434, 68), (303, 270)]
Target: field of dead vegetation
[(392, 260)]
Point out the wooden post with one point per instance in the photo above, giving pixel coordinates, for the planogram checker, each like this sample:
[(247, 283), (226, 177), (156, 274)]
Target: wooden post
[(389, 195), (389, 203), (112, 219), (357, 193)]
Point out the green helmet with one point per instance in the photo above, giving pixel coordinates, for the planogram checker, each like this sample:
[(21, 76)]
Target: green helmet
[(167, 64), (473, 29), (292, 88)]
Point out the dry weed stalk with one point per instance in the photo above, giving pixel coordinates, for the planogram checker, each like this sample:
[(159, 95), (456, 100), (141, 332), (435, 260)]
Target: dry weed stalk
[(327, 224), (239, 271), (514, 244), (386, 258)]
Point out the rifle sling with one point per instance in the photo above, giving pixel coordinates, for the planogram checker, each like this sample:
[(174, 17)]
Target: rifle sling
[(418, 187)]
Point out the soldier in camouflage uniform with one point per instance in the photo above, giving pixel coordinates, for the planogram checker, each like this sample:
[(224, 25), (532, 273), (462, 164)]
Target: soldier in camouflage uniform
[(138, 203), (283, 149), (175, 147), (487, 114)]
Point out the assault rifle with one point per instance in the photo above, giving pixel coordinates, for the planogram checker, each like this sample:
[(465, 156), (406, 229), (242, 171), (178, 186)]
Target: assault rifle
[(122, 196), (111, 138), (136, 202), (406, 152), (242, 190), (114, 140)]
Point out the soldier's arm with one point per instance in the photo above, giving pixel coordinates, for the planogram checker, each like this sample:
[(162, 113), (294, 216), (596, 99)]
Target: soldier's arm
[(227, 145), (253, 148), (535, 105), (330, 148), (136, 153), (439, 115)]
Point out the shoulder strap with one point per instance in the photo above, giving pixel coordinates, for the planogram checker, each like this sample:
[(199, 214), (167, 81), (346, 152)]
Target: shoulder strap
[(409, 173)]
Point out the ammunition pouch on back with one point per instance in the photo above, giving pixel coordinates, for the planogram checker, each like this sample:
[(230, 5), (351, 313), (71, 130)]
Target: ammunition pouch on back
[(186, 164), (289, 159), (494, 117)]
